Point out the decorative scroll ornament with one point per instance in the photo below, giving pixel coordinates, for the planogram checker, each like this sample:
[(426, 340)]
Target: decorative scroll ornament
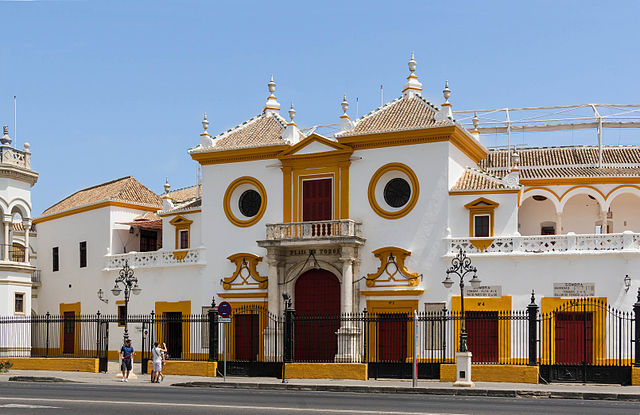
[(246, 276), (392, 271)]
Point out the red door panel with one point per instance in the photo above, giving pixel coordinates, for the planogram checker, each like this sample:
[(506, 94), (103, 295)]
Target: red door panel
[(392, 337), (317, 305), (482, 335), (246, 337), (574, 338), (69, 330)]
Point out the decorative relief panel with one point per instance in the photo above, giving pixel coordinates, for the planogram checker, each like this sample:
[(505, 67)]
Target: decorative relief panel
[(392, 271), (246, 276)]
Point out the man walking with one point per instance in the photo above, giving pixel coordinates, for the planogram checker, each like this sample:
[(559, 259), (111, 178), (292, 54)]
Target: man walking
[(156, 354), (126, 354)]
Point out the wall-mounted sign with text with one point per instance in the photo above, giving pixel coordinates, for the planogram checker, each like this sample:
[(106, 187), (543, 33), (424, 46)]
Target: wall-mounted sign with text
[(574, 289), (483, 291)]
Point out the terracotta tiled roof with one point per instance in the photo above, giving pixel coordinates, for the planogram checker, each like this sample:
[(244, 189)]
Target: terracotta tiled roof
[(400, 114), (184, 194), (582, 156), (126, 189), (185, 207), (473, 179), (568, 162), (148, 220), (264, 129)]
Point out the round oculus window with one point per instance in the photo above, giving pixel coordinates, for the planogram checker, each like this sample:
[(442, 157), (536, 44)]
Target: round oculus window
[(249, 203), (397, 192)]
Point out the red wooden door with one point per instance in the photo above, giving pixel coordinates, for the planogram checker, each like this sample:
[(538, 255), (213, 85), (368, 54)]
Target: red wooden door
[(69, 332), (482, 335), (392, 337), (317, 296), (574, 338), (316, 200), (246, 334)]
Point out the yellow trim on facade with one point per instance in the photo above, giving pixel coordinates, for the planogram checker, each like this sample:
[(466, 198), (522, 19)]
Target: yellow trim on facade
[(479, 192), (226, 203), (389, 307), (164, 215), (391, 293), (183, 307), (239, 155), (186, 368), (499, 304), (259, 308), (385, 254), (180, 255), (478, 207), (454, 134), (599, 322), (243, 295), (181, 224), (356, 371), (583, 187), (494, 373), (74, 364), (580, 180), (77, 327), (249, 262), (415, 191), (100, 205)]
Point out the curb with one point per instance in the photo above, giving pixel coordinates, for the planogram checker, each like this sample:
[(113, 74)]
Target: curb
[(494, 393), (41, 379)]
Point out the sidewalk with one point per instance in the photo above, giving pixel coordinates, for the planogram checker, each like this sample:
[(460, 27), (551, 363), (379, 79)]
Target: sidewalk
[(431, 387)]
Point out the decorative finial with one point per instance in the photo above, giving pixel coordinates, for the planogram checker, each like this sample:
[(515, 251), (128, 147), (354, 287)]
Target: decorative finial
[(475, 120), (272, 104), (533, 297), (205, 123), (446, 92), (167, 186), (515, 159), (345, 105), (292, 112), (413, 87), (5, 139)]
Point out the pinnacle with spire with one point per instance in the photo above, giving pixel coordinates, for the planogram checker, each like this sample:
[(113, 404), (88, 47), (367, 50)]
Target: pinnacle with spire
[(205, 137), (291, 133), (167, 186), (5, 139), (475, 120), (446, 106), (345, 123), (292, 114), (413, 87), (272, 105)]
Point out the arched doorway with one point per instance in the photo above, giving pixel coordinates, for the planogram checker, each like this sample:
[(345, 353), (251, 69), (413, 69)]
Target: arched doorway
[(317, 297)]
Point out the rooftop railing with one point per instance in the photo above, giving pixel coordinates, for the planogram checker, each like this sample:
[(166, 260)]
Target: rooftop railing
[(343, 228), (12, 156)]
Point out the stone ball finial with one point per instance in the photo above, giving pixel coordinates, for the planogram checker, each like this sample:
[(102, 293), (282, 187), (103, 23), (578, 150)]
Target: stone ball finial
[(412, 64), (26, 147), (515, 158), (475, 120)]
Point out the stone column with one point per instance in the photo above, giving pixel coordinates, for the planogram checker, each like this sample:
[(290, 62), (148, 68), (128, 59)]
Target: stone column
[(27, 228), (603, 220), (558, 223), (7, 243), (272, 345), (349, 333)]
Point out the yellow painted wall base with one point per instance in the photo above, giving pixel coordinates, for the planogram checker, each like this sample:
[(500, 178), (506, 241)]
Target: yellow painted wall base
[(55, 363), (356, 371), (494, 373), (635, 376), (181, 367)]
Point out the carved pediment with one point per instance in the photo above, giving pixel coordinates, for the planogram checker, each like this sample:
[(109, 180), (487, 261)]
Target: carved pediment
[(245, 276)]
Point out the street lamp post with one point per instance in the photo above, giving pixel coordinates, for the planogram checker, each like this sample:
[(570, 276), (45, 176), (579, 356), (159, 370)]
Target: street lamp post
[(130, 284), (461, 267)]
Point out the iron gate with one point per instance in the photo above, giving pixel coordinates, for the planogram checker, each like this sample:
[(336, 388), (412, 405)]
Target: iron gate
[(586, 340)]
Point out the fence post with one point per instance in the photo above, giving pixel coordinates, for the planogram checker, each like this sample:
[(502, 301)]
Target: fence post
[(213, 332), (97, 334), (46, 352), (366, 337), (289, 315), (532, 314), (636, 317)]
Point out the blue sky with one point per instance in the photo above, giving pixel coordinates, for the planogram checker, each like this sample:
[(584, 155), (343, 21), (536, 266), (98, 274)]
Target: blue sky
[(114, 88)]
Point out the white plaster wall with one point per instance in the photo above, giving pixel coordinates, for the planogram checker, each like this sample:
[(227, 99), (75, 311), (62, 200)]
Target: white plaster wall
[(458, 162), (532, 213), (11, 283), (169, 231), (505, 215), (626, 213), (422, 230), (580, 214), (11, 189)]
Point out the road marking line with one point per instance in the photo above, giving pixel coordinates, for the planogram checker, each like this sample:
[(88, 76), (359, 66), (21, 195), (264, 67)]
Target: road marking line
[(18, 405), (198, 405)]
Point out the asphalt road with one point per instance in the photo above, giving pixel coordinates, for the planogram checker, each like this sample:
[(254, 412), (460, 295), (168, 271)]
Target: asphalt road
[(53, 399)]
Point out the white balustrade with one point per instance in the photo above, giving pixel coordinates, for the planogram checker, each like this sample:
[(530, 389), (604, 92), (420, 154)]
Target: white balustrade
[(155, 259), (313, 230), (546, 244), (9, 155)]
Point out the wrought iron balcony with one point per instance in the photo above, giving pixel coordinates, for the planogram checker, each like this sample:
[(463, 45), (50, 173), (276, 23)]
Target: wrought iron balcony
[(326, 231), (547, 244), (153, 259)]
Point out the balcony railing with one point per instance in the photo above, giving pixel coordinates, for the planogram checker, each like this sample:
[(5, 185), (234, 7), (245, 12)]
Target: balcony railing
[(156, 259), (35, 277), (295, 231), (19, 158), (15, 253), (547, 244)]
